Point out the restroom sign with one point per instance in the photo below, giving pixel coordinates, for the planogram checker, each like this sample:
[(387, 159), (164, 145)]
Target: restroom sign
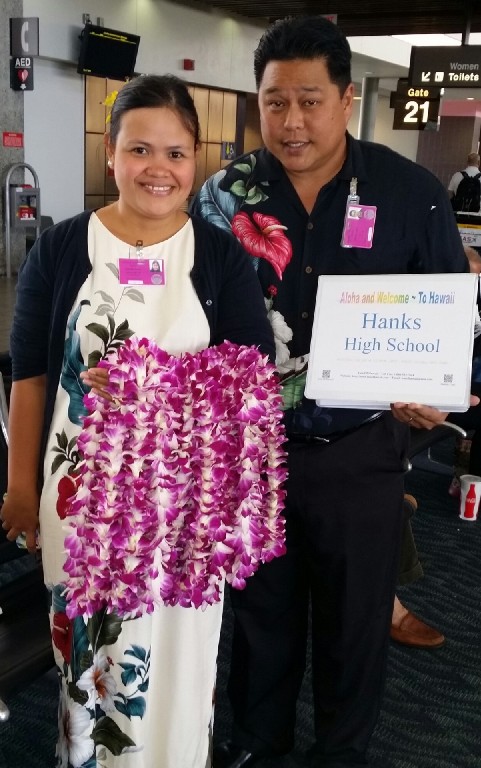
[(21, 73), (446, 66)]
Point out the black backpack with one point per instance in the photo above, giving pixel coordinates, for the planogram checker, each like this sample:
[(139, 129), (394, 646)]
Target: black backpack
[(468, 194)]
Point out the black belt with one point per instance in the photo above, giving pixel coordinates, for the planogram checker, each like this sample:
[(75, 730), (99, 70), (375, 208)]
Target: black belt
[(332, 437)]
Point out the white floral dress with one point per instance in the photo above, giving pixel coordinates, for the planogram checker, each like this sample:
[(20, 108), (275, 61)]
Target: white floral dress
[(134, 693)]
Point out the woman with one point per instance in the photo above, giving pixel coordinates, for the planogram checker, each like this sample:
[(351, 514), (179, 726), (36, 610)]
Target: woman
[(137, 693)]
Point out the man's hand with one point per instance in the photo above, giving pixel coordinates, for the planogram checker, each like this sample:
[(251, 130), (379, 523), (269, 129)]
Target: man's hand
[(422, 416)]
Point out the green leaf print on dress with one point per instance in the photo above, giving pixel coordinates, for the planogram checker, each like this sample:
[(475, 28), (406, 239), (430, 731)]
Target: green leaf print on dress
[(73, 365), (67, 452), (95, 687), (111, 336)]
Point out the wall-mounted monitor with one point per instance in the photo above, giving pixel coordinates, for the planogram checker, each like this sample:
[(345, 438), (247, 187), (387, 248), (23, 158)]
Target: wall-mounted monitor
[(107, 53)]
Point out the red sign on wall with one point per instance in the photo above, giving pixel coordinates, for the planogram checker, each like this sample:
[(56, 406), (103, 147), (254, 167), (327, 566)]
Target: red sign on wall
[(11, 139)]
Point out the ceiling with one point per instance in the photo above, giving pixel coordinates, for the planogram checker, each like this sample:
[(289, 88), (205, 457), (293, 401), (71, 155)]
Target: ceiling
[(368, 17), (359, 18)]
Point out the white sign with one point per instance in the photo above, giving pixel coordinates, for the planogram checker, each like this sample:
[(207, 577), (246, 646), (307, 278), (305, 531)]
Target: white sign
[(470, 234), (380, 339)]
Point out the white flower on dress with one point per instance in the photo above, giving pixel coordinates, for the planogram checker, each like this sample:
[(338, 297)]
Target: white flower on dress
[(99, 684), (74, 746)]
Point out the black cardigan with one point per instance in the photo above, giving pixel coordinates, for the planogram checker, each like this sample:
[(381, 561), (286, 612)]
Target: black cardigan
[(58, 265)]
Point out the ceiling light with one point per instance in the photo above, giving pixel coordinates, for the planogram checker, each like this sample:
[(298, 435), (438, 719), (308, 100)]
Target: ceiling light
[(436, 40)]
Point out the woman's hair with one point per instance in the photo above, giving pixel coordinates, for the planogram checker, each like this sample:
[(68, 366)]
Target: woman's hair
[(306, 37), (155, 91)]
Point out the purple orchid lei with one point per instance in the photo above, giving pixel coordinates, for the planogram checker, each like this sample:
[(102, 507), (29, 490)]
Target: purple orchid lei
[(181, 480)]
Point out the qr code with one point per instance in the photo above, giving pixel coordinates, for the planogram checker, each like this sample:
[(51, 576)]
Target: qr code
[(326, 374), (448, 378)]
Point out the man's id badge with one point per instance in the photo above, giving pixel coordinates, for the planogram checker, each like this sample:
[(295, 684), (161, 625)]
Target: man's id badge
[(358, 229), (141, 272)]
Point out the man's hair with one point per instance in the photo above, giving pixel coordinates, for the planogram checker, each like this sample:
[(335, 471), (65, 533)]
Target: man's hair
[(305, 37), (473, 159)]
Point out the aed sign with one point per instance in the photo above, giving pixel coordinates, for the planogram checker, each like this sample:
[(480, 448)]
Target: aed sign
[(21, 73), (445, 66), (414, 114)]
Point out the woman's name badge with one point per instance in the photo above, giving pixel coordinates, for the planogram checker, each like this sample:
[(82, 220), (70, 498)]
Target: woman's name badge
[(141, 272), (358, 229)]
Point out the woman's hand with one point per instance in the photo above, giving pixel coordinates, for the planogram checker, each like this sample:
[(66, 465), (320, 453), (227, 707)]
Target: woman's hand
[(422, 416), (19, 514), (98, 379)]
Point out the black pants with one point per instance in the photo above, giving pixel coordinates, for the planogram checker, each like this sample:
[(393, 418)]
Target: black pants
[(410, 568), (344, 513)]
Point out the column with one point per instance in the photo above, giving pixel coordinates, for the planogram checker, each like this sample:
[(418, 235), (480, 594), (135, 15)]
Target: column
[(367, 115)]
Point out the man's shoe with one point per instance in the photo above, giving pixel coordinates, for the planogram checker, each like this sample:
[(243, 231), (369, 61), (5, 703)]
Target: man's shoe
[(229, 755), (416, 634), (411, 502)]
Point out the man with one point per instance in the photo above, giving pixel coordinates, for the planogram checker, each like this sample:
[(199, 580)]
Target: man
[(465, 187), (344, 506)]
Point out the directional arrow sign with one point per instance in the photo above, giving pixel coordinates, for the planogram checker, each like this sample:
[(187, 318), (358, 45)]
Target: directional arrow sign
[(447, 66)]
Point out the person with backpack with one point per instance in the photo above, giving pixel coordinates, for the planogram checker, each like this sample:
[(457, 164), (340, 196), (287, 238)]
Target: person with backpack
[(465, 187)]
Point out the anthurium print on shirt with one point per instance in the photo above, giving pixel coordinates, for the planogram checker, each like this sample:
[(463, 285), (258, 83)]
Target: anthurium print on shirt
[(180, 480), (263, 236), (225, 200), (234, 188)]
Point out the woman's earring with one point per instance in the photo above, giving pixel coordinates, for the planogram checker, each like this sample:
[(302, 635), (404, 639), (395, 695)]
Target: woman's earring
[(110, 163)]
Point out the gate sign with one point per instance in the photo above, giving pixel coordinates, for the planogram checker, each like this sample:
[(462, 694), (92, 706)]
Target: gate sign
[(405, 89), (414, 114), (415, 109), (446, 66)]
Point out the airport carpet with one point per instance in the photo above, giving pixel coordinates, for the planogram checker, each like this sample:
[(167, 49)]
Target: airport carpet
[(431, 714)]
